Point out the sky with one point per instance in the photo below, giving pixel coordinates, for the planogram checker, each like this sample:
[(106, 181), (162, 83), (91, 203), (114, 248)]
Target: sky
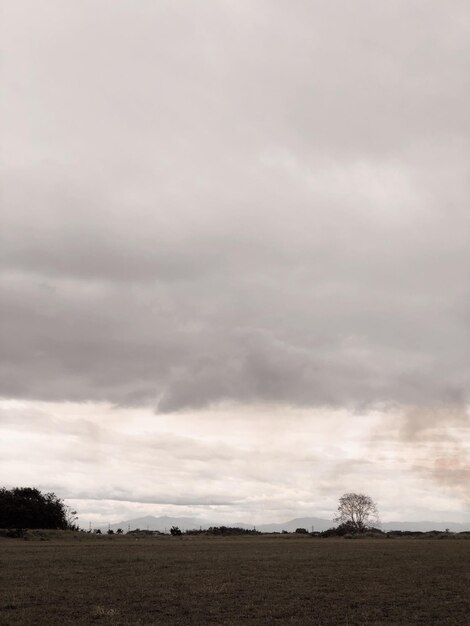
[(235, 250)]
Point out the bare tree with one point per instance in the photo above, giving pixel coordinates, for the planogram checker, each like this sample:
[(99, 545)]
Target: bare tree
[(358, 511)]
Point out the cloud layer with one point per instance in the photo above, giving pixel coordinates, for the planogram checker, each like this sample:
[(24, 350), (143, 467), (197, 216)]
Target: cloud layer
[(236, 202), (232, 464)]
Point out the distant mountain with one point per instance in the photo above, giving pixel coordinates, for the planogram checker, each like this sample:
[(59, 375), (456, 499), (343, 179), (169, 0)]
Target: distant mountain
[(164, 523)]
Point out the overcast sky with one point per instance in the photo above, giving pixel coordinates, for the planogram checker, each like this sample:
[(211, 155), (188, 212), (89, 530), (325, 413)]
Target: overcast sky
[(235, 256)]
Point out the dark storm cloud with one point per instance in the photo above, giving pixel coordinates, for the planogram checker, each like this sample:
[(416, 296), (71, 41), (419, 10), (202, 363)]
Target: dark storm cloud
[(240, 201)]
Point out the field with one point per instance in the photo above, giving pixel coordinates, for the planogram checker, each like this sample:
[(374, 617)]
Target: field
[(284, 580)]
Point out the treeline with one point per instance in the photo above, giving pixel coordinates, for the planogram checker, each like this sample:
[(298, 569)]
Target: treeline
[(224, 530), (340, 531), (26, 507), (175, 531), (347, 530)]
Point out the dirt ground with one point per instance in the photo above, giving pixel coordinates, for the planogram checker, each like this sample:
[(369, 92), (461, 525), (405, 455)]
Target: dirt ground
[(284, 580)]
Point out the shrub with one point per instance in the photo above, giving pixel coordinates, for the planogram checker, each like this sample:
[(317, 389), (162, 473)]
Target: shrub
[(25, 507), (231, 530), (340, 531), (346, 529)]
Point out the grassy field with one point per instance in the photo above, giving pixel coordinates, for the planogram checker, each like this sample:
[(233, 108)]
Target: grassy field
[(248, 580)]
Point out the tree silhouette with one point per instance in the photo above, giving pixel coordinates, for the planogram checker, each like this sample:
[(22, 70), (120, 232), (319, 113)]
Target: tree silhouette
[(357, 511), (26, 507)]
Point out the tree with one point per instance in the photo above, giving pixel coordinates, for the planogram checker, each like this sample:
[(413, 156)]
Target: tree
[(358, 511), (175, 531), (26, 507)]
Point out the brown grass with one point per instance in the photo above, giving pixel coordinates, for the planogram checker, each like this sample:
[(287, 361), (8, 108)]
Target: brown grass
[(283, 580)]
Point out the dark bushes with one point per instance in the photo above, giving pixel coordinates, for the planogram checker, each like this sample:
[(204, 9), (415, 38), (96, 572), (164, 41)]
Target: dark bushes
[(348, 529), (224, 530), (25, 507)]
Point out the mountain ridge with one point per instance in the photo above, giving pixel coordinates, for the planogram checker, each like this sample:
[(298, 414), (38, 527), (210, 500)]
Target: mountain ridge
[(164, 523)]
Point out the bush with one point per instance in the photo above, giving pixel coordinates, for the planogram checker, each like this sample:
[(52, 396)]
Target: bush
[(301, 531), (232, 530), (25, 507), (346, 528), (224, 530)]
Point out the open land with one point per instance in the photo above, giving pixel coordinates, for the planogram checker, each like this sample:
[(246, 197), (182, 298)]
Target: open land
[(200, 580)]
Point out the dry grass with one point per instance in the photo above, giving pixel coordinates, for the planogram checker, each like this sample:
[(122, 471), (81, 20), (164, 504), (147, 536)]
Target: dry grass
[(228, 581)]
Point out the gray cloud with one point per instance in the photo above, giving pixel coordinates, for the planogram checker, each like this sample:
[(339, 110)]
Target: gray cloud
[(236, 202)]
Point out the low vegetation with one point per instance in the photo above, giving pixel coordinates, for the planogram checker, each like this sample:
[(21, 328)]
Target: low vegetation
[(224, 530)]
